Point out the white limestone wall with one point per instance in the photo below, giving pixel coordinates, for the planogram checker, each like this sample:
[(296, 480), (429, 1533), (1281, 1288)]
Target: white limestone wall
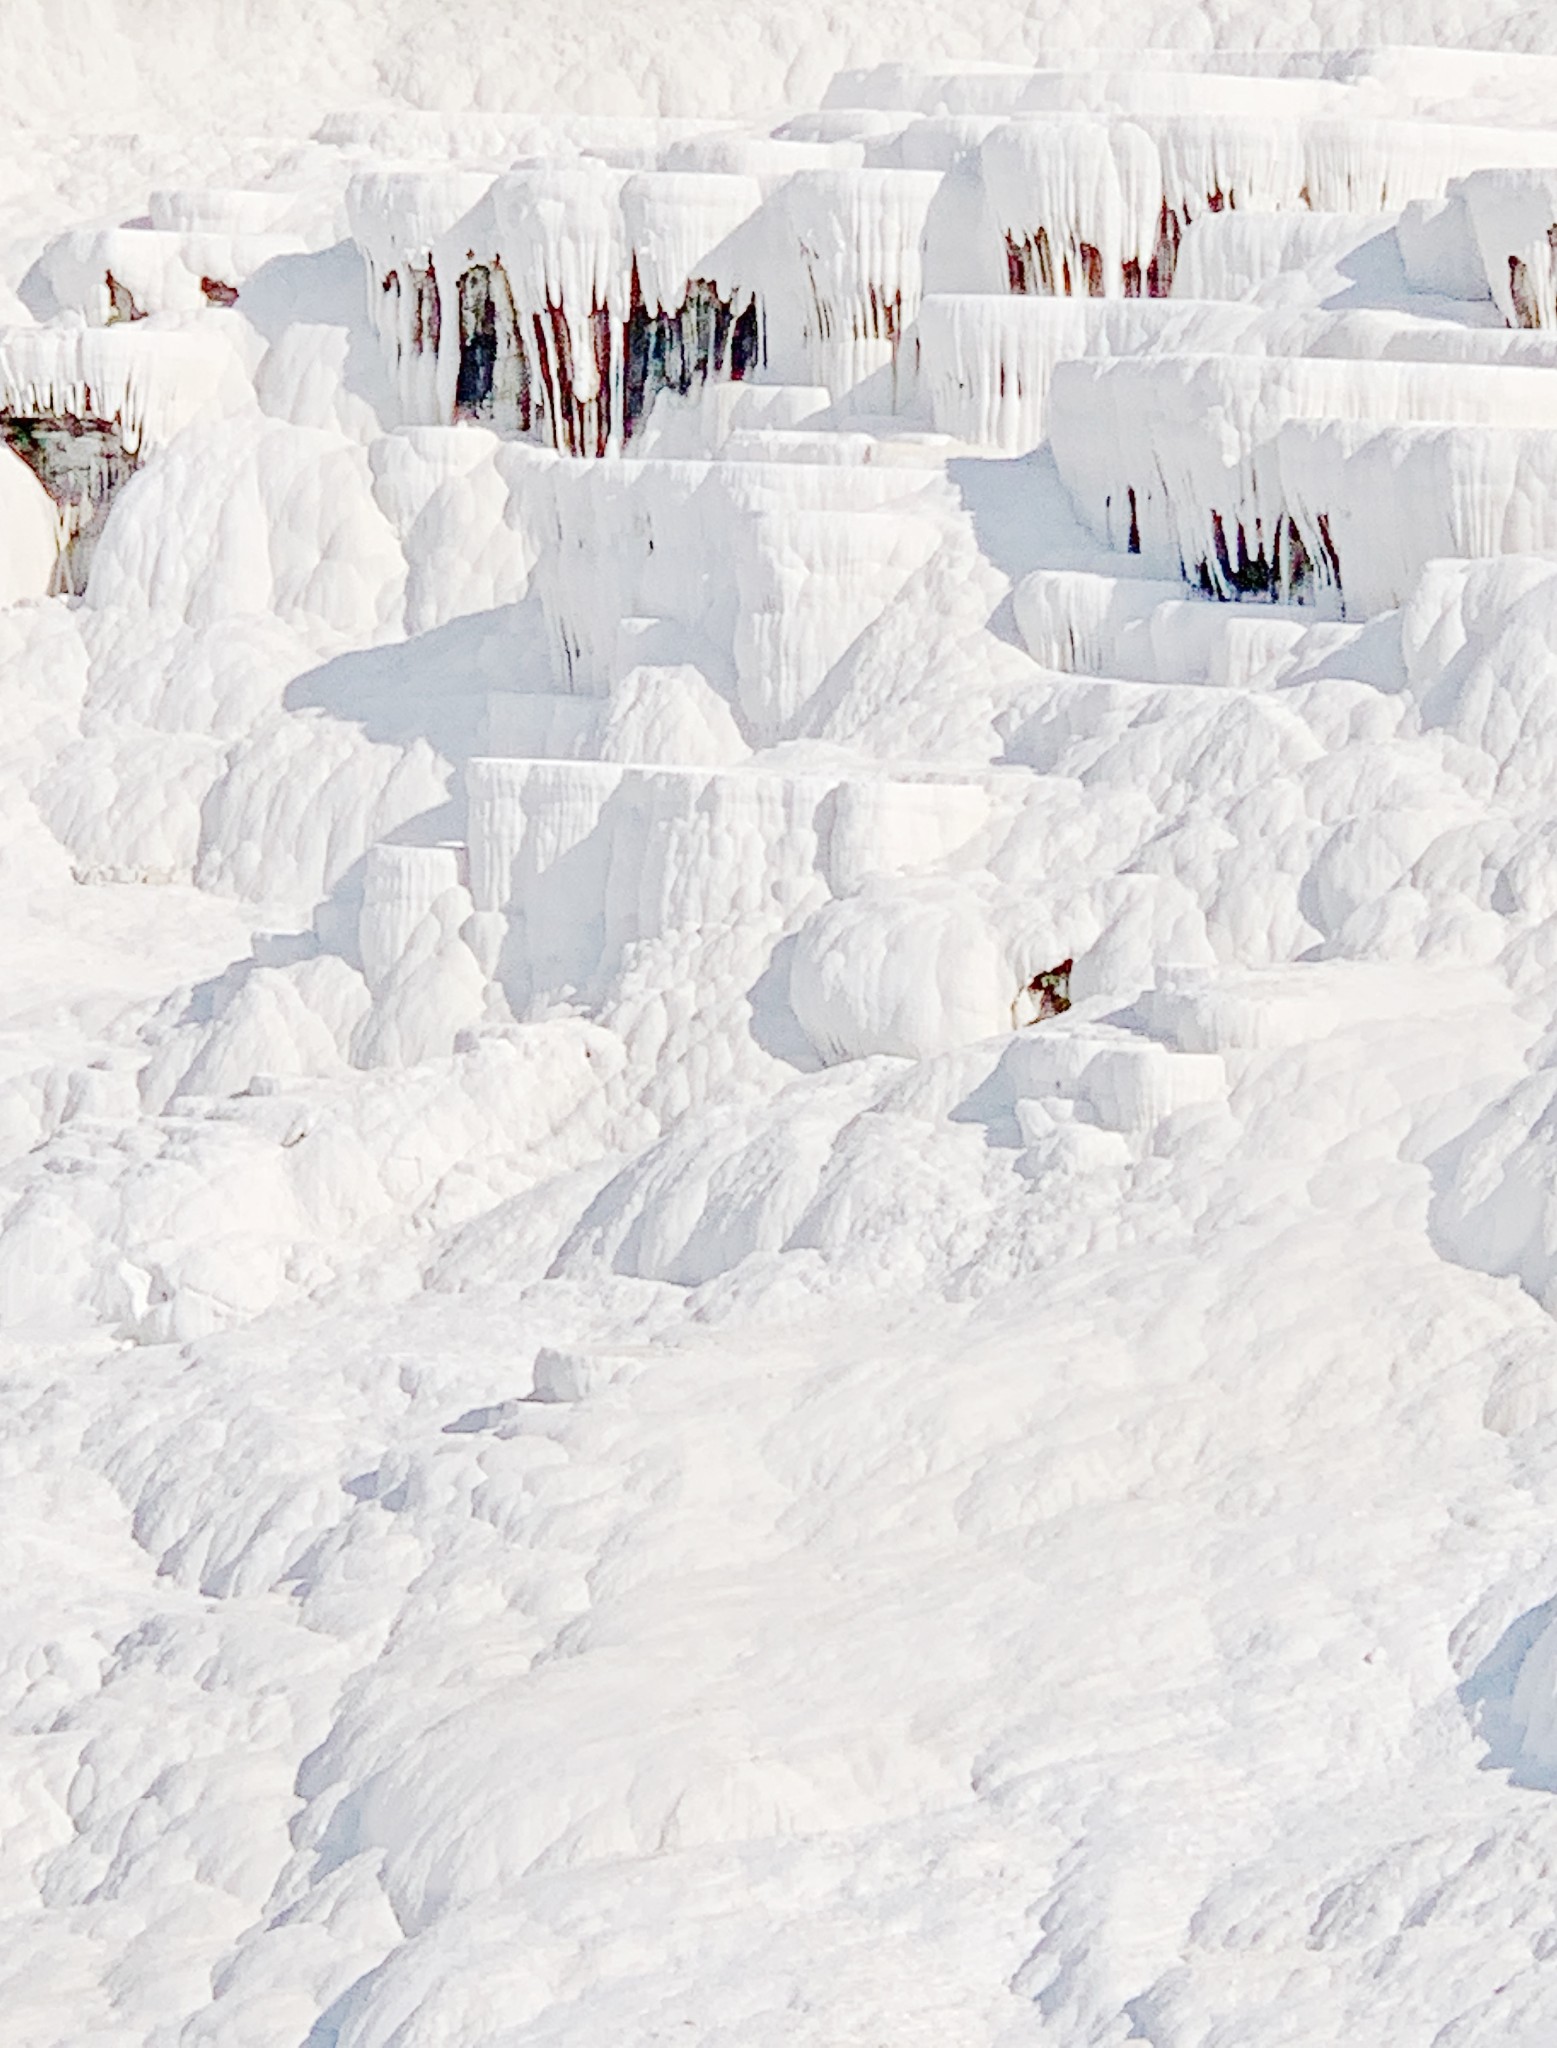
[(400, 886), (582, 861), (1176, 458)]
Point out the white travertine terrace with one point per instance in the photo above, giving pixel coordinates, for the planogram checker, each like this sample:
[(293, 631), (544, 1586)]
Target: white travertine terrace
[(778, 1045), (82, 406), (1182, 459), (1513, 220)]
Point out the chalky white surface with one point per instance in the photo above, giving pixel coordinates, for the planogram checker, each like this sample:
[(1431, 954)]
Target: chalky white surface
[(595, 1450)]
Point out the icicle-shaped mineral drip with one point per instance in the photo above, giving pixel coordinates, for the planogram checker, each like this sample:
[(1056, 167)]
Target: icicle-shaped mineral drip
[(1221, 489), (1367, 166), (151, 383), (587, 858), (1107, 457), (1249, 162), (82, 463), (1174, 457), (986, 362), (678, 226), (564, 249), (81, 406), (854, 242), (1078, 203), (1208, 165), (694, 316), (1373, 506), (584, 574), (399, 220), (511, 302), (1513, 217)]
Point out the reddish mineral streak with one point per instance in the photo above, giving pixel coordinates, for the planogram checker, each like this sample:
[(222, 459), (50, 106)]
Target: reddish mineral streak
[(121, 300), (528, 382), (82, 461)]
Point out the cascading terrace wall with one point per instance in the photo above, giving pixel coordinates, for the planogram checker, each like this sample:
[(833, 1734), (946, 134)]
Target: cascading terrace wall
[(940, 247)]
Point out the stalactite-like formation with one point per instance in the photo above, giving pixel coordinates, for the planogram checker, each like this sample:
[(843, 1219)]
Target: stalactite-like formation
[(1097, 206), (563, 300), (1255, 476), (579, 293), (83, 406), (855, 240), (702, 341), (81, 460)]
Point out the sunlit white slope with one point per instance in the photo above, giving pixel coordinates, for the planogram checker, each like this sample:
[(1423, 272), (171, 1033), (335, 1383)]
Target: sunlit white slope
[(605, 1440)]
